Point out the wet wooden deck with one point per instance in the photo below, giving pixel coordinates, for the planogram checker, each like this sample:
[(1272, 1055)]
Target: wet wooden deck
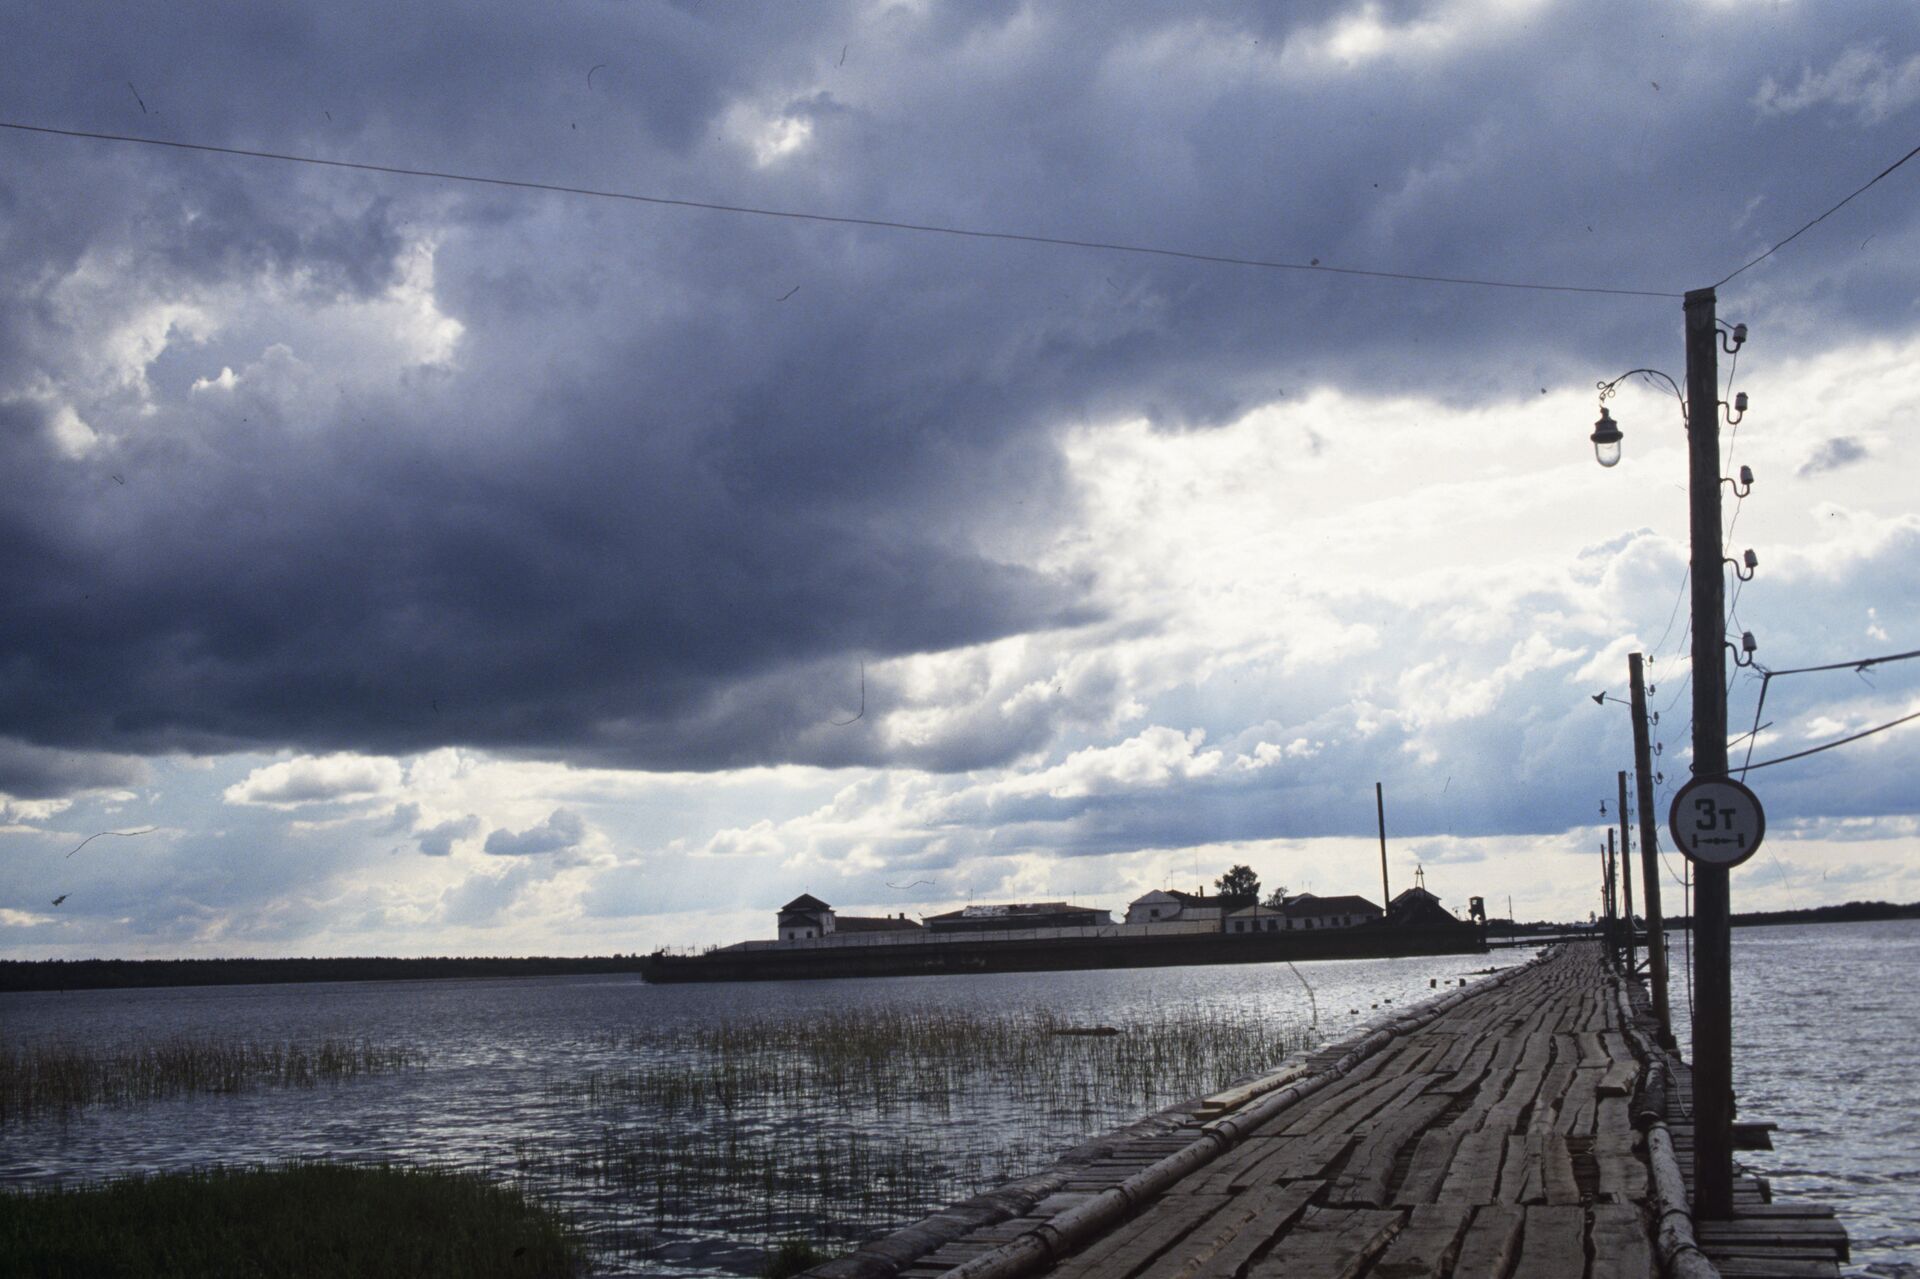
[(1493, 1138)]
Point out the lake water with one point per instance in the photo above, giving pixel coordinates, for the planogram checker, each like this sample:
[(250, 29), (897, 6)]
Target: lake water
[(518, 1081), (1826, 1041)]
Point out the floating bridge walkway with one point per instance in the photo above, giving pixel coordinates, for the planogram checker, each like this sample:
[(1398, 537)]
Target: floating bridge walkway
[(1526, 1126)]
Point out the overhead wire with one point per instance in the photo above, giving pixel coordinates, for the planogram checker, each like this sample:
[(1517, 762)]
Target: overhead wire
[(1822, 218), (801, 215), (1827, 746)]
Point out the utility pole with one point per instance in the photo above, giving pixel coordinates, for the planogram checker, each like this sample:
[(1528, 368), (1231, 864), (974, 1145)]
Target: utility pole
[(1713, 951), (1649, 854), (1626, 873), (1380, 807), (1607, 899)]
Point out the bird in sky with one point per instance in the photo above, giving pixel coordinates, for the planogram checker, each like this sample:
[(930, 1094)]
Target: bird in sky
[(62, 897)]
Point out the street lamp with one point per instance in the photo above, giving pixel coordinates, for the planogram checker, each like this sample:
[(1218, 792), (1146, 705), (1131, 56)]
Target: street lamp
[(1713, 970), (1606, 439)]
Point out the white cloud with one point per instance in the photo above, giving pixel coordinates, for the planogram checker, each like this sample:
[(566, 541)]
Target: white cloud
[(1862, 79), (318, 779)]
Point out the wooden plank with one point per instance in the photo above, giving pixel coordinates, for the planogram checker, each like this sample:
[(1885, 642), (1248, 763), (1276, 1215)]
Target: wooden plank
[(1581, 1104), (1350, 1110), (1225, 1241), (1520, 1172), (1493, 1237), (1776, 1227), (1618, 1079), (1521, 1090), (1364, 1180), (1424, 1249), (1553, 1090), (1557, 1185), (1747, 1268), (1469, 1074), (1133, 1245), (1622, 1245), (1553, 1244), (1428, 1169), (1329, 1243), (1780, 1252), (1284, 1159), (1475, 1172)]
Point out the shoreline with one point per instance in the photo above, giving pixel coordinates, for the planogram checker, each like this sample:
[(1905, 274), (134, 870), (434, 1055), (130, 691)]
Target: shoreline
[(21, 976)]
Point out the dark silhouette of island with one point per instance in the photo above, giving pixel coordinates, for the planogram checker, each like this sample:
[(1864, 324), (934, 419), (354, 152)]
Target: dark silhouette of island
[(113, 974), (116, 974)]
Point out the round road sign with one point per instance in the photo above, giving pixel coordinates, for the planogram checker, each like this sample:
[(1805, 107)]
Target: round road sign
[(1716, 821)]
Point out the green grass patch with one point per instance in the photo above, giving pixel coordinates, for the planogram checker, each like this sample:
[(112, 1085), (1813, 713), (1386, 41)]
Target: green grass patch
[(327, 1221)]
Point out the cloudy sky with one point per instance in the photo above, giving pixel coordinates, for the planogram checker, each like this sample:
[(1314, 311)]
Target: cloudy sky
[(435, 567)]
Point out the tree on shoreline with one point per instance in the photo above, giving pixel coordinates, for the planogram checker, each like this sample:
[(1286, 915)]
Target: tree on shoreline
[(1239, 886)]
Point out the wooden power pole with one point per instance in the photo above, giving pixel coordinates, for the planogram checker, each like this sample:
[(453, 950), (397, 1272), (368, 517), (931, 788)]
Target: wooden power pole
[(1649, 854), (1380, 808), (1626, 873), (1712, 940)]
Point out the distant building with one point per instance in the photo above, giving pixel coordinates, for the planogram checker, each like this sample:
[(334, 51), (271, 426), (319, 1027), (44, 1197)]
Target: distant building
[(1164, 905), (806, 917), (1417, 906), (1307, 911), (1018, 915), (1255, 919)]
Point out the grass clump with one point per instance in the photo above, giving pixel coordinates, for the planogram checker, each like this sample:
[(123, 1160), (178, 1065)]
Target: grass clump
[(60, 1078), (327, 1221), (791, 1257), (833, 1124)]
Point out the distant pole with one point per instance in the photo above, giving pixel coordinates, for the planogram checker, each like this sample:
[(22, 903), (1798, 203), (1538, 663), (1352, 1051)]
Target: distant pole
[(1712, 940), (1626, 872), (1380, 807), (1606, 897), (1649, 854)]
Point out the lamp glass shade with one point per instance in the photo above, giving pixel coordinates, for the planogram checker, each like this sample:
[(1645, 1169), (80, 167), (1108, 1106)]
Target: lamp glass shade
[(1606, 439)]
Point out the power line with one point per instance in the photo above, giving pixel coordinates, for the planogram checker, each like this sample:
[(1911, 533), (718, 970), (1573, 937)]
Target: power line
[(1769, 763), (798, 215), (1859, 665), (1824, 216)]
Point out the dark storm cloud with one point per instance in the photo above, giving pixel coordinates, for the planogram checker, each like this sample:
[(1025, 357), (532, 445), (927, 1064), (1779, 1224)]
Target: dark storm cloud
[(685, 470), (36, 772)]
